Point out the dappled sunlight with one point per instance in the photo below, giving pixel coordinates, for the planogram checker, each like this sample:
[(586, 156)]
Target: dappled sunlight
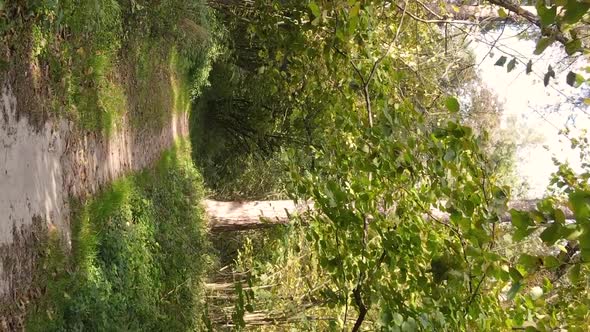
[(94, 161)]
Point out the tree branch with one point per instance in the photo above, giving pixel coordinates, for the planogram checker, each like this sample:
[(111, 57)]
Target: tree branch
[(518, 10), (358, 299), (474, 293), (419, 19)]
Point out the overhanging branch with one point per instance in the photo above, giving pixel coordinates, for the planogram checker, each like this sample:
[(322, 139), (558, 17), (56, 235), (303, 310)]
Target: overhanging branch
[(527, 15)]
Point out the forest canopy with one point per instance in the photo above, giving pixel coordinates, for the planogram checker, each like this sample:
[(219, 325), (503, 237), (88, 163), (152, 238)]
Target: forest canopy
[(374, 111)]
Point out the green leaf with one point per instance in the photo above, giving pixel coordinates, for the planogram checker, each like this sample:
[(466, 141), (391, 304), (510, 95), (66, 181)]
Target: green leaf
[(352, 24), (559, 216), (580, 202), (574, 79), (584, 240), (573, 46), (511, 65), (500, 273), (465, 223), (530, 263), (546, 15), (551, 234), (515, 275), (571, 78), (339, 29), (574, 11), (354, 11), (468, 208), (452, 104), (502, 13), (529, 67), (550, 262), (513, 290), (315, 9), (542, 44), (521, 233), (520, 219), (571, 232), (398, 319), (449, 155), (409, 325), (501, 61), (574, 274), (456, 216)]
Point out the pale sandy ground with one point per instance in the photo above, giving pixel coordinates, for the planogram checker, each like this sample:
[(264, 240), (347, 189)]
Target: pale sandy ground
[(30, 176), (41, 169)]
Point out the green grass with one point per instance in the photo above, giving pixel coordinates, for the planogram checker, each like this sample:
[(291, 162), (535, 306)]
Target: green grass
[(96, 61), (78, 43), (138, 256)]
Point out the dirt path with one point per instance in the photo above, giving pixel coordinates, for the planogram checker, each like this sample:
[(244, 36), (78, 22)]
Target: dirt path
[(41, 169)]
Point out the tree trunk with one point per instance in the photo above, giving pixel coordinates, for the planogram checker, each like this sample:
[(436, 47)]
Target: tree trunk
[(236, 216)]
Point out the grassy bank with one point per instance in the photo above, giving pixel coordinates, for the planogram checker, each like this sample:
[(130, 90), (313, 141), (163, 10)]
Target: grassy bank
[(94, 62), (137, 258)]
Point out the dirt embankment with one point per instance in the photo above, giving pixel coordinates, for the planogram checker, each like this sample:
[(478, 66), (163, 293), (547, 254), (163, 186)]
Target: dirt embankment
[(42, 167)]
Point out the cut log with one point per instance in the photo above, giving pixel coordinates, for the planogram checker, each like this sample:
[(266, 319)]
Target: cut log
[(244, 215)]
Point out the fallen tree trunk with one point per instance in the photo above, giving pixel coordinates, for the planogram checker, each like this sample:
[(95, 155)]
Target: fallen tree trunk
[(237, 216)]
